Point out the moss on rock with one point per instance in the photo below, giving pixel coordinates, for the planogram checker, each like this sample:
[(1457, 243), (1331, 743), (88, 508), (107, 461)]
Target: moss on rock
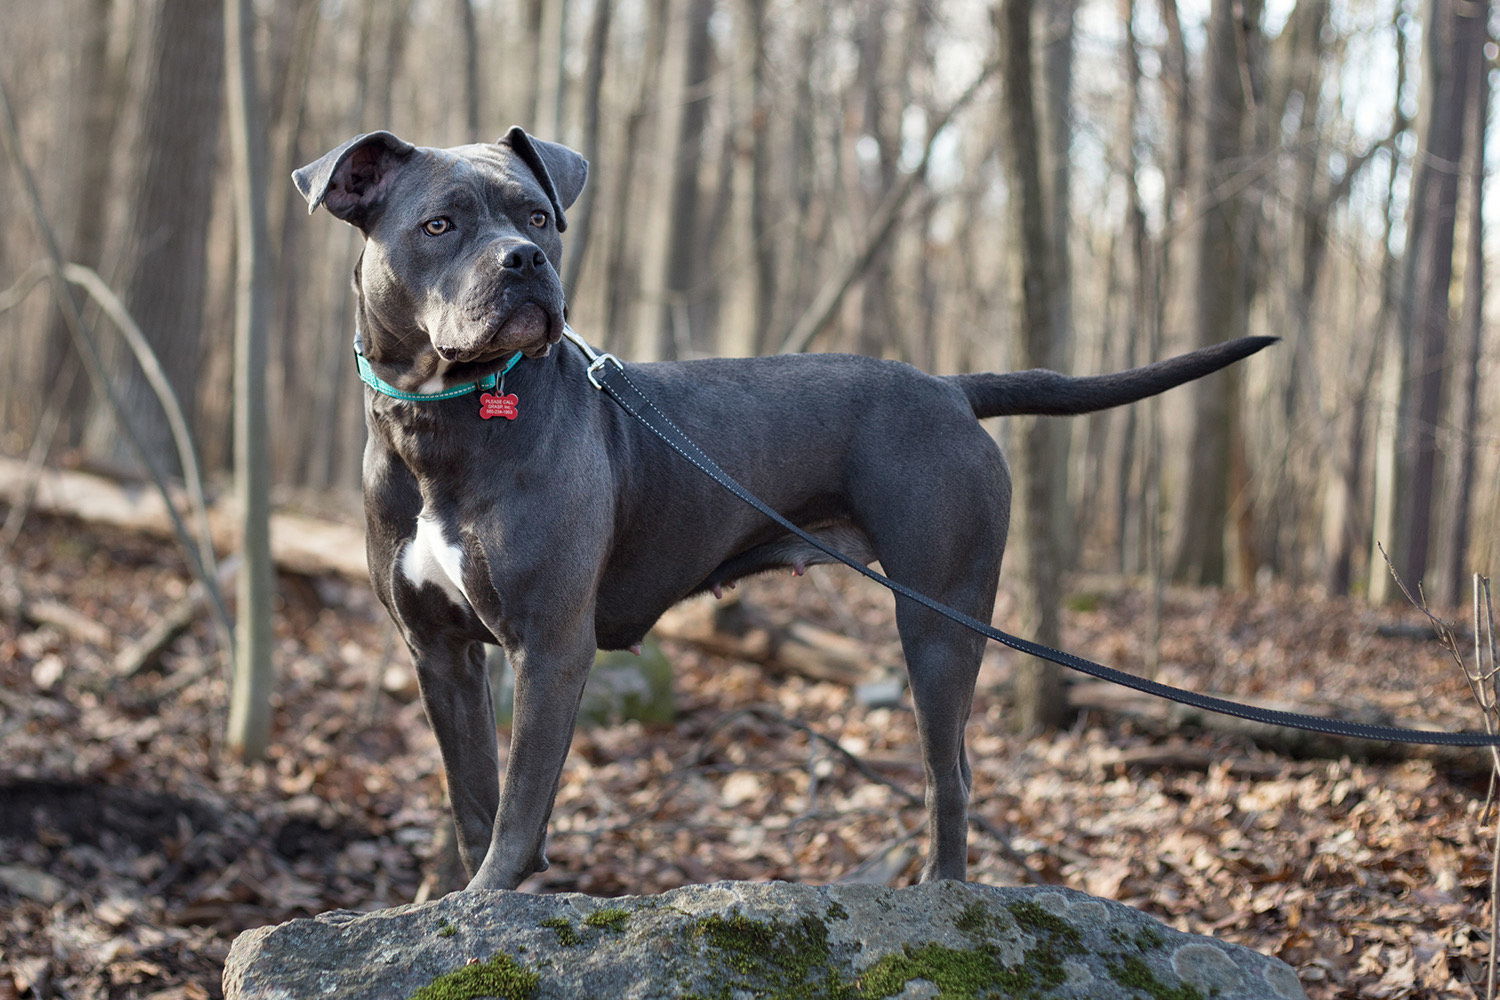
[(567, 934), (611, 917), (502, 977)]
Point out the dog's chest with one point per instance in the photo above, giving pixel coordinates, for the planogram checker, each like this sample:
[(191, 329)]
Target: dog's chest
[(432, 557)]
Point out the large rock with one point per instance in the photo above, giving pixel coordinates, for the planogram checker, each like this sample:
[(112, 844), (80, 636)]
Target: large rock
[(741, 940), (622, 686)]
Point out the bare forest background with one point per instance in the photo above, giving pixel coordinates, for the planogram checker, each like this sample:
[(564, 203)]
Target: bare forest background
[(1082, 186), (960, 184)]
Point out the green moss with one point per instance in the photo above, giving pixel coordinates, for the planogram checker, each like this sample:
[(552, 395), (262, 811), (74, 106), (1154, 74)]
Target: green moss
[(446, 929), (1044, 923), (611, 917), (785, 960), (1149, 940), (502, 977), (1134, 974), (836, 911), (975, 920), (567, 934), (966, 974), (778, 960)]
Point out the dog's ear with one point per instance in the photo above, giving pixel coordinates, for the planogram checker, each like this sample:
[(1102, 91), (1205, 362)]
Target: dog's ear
[(560, 171), (352, 180)]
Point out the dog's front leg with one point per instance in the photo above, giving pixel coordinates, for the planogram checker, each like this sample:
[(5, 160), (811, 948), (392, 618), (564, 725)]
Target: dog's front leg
[(456, 694), (550, 672)]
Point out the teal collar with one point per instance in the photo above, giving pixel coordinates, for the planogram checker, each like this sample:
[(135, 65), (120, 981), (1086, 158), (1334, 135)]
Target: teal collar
[(380, 385)]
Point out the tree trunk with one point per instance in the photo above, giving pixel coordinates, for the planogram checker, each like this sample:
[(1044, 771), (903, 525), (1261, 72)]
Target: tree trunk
[(671, 244), (1389, 349), (1459, 568), (1451, 30), (552, 77), (250, 700), (1220, 293), (622, 263), (169, 197), (754, 186), (1040, 702), (99, 90), (880, 123), (468, 40), (581, 219), (1137, 312)]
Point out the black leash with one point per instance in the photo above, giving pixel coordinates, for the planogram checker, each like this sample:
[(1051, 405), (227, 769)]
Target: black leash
[(607, 373)]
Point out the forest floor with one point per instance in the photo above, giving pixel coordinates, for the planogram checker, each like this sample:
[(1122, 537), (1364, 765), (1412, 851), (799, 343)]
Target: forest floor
[(132, 853)]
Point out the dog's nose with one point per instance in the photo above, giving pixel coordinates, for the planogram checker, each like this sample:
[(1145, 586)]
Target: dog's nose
[(523, 258)]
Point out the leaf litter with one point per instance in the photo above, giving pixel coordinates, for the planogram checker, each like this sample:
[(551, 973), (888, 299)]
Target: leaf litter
[(132, 852)]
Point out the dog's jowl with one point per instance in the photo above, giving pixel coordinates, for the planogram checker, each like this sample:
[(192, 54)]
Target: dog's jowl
[(564, 526)]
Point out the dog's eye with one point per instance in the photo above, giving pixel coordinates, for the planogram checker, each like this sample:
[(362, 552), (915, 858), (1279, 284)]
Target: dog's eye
[(539, 218), (437, 227)]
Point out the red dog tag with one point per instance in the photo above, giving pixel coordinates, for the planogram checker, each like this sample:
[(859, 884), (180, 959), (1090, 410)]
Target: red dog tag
[(491, 405)]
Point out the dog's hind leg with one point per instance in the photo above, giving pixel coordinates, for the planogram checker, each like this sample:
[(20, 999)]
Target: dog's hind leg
[(942, 662), (939, 527)]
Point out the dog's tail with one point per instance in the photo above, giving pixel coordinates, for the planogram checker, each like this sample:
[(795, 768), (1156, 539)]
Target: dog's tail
[(1048, 393)]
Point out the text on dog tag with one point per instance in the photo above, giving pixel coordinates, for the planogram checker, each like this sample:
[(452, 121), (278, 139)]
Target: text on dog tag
[(491, 405)]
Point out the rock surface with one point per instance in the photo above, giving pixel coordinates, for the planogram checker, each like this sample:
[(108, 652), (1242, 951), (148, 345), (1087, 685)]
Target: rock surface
[(622, 686), (741, 940)]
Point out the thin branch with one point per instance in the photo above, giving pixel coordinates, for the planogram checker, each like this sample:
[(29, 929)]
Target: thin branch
[(187, 454), (1482, 684)]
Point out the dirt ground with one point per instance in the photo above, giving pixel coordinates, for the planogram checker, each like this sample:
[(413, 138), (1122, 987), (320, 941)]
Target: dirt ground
[(131, 852)]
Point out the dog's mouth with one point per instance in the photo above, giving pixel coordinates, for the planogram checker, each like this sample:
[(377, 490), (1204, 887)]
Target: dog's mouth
[(529, 328)]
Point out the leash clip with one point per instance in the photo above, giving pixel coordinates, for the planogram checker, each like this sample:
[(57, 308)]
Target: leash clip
[(597, 363)]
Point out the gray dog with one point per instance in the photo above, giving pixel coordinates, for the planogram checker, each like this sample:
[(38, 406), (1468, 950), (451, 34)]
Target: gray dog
[(539, 516)]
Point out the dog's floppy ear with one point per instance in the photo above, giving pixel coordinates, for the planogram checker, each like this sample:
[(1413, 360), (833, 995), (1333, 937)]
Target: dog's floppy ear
[(352, 180), (560, 171)]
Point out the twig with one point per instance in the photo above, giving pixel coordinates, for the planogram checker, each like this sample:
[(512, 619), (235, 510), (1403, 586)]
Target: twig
[(187, 454), (14, 603), (142, 653), (1487, 684), (1482, 684), (29, 279)]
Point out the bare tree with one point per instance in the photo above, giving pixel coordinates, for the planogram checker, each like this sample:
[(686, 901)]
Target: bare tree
[(581, 221), (170, 196), (468, 40), (1039, 696), (669, 251), (250, 700), (100, 85), (1451, 30), (1473, 316), (1220, 291)]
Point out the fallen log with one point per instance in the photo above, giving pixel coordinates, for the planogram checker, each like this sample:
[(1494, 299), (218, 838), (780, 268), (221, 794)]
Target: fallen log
[(736, 629), (1157, 717), (299, 544), (16, 605)]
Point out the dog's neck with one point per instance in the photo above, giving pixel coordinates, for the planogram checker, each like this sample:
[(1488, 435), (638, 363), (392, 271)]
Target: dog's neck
[(441, 440)]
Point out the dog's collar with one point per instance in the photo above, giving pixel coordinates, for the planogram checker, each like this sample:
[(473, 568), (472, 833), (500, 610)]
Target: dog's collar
[(368, 377)]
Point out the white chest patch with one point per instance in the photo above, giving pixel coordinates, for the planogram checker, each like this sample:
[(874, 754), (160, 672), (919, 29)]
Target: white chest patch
[(429, 557)]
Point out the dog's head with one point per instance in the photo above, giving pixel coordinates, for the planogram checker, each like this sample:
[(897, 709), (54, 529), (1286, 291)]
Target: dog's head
[(462, 245)]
